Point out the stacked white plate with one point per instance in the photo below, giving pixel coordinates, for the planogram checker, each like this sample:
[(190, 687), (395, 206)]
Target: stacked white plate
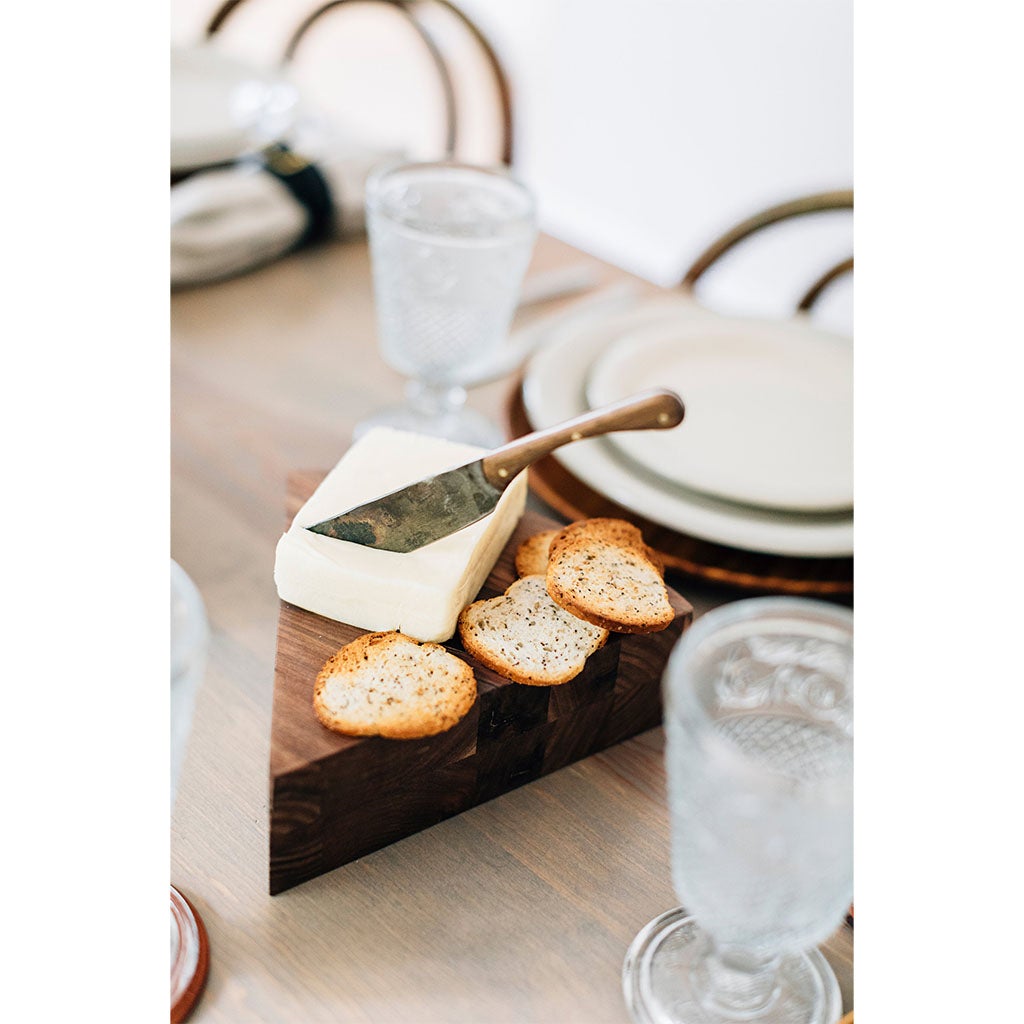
[(764, 458)]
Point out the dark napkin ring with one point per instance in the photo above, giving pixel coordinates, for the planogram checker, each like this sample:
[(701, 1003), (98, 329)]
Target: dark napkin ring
[(309, 187)]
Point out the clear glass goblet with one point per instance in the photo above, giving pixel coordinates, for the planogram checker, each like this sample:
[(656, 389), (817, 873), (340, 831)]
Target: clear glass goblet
[(190, 634), (759, 759), (189, 640), (450, 244)]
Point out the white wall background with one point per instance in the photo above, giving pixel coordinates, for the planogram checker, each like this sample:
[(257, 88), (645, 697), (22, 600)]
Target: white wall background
[(646, 128), (647, 125)]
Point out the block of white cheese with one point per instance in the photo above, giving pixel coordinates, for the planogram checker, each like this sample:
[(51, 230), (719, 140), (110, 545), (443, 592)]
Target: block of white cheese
[(419, 592)]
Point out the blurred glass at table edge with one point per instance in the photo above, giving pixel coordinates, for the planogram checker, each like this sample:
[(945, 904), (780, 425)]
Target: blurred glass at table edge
[(450, 244), (759, 741), (189, 640), (190, 634)]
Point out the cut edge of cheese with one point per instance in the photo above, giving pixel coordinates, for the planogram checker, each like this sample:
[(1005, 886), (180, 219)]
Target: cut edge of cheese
[(419, 593)]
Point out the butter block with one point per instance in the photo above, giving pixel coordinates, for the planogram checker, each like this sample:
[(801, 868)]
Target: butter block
[(419, 592)]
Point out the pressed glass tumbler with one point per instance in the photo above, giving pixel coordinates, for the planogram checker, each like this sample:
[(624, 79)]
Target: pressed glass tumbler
[(450, 244), (759, 759)]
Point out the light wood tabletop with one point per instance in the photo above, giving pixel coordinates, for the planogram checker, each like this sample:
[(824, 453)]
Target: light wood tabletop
[(518, 910)]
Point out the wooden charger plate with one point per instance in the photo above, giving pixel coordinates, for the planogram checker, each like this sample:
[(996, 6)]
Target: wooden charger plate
[(750, 570)]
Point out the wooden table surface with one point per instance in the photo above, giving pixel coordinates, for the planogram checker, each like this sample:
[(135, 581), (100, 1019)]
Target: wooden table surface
[(519, 910)]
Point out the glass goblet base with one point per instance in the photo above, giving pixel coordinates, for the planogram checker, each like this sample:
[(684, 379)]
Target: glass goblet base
[(661, 981), (438, 412)]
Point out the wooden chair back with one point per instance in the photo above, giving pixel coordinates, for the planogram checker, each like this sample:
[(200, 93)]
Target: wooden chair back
[(804, 206), (473, 86)]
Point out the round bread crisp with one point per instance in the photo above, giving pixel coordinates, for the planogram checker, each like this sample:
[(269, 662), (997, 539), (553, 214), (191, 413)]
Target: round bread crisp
[(602, 571), (388, 684), (532, 554), (608, 529), (524, 636)]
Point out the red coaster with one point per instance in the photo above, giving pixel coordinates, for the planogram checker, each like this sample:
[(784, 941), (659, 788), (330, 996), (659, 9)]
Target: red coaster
[(190, 956)]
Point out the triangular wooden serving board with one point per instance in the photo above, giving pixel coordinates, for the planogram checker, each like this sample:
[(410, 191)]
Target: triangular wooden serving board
[(335, 798)]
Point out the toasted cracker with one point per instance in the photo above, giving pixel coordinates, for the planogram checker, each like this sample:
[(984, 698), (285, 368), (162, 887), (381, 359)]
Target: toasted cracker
[(532, 554), (524, 636), (388, 684), (602, 571), (606, 527), (609, 529)]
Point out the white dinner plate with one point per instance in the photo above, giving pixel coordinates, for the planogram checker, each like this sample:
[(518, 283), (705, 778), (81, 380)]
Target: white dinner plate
[(769, 408), (222, 108), (554, 390)]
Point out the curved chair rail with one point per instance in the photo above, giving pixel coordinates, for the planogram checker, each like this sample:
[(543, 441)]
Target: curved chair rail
[(820, 202), (413, 11)]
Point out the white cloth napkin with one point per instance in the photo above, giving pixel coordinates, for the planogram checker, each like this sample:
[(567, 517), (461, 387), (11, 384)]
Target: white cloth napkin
[(227, 220)]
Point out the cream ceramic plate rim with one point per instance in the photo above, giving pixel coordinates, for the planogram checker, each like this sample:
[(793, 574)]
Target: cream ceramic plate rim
[(215, 135), (553, 390), (631, 356)]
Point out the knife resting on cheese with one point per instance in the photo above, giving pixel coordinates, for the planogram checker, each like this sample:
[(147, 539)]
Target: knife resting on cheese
[(439, 505)]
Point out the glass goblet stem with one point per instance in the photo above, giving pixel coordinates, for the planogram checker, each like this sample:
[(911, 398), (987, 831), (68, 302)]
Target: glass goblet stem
[(736, 982), (433, 399)]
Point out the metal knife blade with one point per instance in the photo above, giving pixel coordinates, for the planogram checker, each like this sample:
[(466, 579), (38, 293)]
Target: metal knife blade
[(422, 512), (418, 514)]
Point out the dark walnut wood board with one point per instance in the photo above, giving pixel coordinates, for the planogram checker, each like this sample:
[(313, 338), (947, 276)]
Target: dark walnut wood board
[(335, 798)]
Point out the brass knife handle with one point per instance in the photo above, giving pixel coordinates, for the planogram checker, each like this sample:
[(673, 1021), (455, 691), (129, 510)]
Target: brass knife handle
[(650, 410)]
